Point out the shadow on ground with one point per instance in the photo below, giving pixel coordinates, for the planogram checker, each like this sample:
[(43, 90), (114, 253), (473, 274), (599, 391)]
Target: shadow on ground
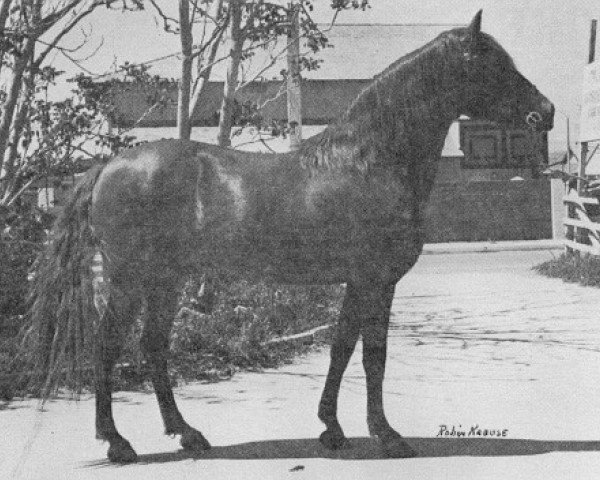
[(369, 449)]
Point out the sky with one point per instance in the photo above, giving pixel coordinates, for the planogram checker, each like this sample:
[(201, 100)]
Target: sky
[(547, 38)]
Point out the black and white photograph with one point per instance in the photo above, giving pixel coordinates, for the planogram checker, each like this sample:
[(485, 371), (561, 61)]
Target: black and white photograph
[(299, 239)]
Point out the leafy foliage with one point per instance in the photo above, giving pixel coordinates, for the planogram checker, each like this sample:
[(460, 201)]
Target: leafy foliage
[(235, 335), (345, 4), (21, 240), (574, 268), (61, 138), (97, 99)]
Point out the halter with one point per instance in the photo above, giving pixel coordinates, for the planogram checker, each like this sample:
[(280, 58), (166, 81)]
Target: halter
[(533, 119)]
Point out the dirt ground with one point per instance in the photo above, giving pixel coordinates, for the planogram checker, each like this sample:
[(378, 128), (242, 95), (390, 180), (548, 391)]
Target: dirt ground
[(479, 344)]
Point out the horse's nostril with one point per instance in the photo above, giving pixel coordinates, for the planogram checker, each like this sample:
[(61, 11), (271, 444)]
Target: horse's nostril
[(533, 119)]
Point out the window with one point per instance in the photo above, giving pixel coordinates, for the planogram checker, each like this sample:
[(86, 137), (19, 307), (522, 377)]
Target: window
[(484, 149), (485, 145), (520, 147)]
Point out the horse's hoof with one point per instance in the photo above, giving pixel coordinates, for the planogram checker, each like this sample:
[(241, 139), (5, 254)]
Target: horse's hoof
[(121, 451), (193, 440), (333, 440), (396, 447)]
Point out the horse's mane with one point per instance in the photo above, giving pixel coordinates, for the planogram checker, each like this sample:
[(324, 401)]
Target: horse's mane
[(348, 140)]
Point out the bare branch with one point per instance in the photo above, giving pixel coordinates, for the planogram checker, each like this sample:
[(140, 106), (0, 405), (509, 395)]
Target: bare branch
[(205, 13), (281, 91), (11, 198), (272, 62), (79, 148), (204, 75), (143, 116), (314, 24), (225, 57), (167, 20), (215, 37), (51, 19), (257, 139), (90, 55), (64, 31), (195, 10), (204, 22), (78, 64)]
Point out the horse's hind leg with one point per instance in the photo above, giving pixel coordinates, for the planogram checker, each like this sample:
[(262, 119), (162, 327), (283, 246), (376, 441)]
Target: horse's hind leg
[(342, 348), (121, 309), (374, 329), (162, 301)]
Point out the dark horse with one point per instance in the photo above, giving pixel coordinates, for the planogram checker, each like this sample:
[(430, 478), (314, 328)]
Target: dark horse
[(347, 207)]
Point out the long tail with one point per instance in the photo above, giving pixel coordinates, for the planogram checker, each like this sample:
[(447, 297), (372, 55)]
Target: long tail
[(58, 334)]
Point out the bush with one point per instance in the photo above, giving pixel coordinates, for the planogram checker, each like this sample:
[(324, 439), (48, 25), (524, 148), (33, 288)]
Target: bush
[(12, 381), (22, 235), (234, 335), (573, 267)]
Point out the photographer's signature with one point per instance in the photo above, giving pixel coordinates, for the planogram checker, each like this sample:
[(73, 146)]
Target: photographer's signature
[(473, 431)]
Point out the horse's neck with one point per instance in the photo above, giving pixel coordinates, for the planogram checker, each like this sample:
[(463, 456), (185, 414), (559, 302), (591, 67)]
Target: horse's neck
[(401, 121), (410, 106), (398, 123)]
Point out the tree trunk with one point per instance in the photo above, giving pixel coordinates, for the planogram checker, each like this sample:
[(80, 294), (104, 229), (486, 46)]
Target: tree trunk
[(12, 97), (183, 104), (4, 10), (11, 163), (294, 82), (235, 54), (205, 70), (18, 122)]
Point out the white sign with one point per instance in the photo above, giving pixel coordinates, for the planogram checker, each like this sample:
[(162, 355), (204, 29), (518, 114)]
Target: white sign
[(590, 106)]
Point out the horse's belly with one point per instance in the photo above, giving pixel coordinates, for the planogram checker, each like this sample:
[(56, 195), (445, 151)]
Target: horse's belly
[(269, 258), (297, 255)]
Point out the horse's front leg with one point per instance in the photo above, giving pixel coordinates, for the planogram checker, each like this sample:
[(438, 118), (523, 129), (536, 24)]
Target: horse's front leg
[(346, 336), (374, 329)]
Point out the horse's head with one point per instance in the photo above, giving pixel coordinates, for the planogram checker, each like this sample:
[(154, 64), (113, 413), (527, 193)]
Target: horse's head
[(493, 87)]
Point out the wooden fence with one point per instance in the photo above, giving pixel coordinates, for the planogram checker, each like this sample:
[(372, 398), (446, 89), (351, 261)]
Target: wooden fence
[(583, 229), (583, 211)]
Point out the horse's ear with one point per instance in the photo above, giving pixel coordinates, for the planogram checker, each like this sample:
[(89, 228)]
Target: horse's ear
[(474, 31), (475, 26)]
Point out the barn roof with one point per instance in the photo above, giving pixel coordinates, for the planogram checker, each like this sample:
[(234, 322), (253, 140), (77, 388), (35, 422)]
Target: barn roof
[(362, 51)]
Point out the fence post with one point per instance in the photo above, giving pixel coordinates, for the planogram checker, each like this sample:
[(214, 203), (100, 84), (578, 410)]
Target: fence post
[(580, 233)]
